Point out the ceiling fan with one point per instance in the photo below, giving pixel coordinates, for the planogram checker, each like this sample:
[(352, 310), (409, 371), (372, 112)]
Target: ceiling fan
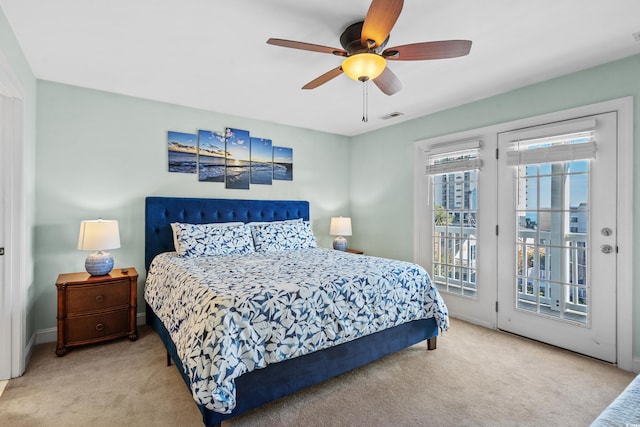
[(364, 49)]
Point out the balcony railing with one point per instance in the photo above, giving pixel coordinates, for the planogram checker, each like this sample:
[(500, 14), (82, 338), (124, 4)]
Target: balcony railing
[(552, 276), (454, 267), (560, 288)]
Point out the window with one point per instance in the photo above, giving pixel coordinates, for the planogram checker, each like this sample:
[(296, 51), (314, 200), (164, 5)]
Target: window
[(552, 209), (496, 263), (453, 170)]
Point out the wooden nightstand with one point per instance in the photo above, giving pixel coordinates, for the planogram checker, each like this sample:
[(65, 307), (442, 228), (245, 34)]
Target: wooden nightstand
[(354, 251), (96, 308)]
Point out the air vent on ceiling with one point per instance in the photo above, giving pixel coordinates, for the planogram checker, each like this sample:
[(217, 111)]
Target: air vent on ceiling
[(392, 115)]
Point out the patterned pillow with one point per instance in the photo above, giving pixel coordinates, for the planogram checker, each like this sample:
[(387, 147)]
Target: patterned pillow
[(194, 240), (283, 235), (286, 221), (176, 226)]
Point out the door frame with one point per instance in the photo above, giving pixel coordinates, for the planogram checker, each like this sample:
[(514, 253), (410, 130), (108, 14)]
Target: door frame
[(13, 283), (594, 334), (480, 308), (625, 256)]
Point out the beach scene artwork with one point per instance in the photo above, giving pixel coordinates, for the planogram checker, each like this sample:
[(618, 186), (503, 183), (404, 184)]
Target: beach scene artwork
[(283, 163), (183, 153), (232, 157), (238, 159), (261, 161), (211, 156)]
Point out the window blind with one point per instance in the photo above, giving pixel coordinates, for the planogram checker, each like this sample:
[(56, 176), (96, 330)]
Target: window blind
[(574, 141), (454, 156)]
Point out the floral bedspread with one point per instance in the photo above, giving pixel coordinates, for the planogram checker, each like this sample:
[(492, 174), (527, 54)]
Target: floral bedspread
[(232, 314)]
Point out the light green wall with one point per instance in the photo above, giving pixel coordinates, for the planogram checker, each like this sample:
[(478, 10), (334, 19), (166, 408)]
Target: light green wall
[(10, 50), (381, 161), (99, 155)]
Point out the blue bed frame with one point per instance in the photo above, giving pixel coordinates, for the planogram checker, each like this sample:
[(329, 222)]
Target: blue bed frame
[(264, 385)]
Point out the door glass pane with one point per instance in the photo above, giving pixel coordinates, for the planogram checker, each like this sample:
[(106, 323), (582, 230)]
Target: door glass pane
[(552, 210), (455, 217), (531, 201)]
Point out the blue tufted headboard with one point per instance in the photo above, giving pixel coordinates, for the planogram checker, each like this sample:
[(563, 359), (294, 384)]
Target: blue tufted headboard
[(160, 212)]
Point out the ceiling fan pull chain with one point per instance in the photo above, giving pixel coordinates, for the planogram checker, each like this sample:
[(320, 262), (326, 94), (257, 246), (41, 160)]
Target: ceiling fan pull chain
[(365, 102)]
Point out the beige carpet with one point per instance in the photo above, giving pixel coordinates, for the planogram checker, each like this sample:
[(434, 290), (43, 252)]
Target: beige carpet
[(476, 377)]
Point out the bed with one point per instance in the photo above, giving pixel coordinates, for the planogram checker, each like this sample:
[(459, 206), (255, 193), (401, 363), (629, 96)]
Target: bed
[(271, 372)]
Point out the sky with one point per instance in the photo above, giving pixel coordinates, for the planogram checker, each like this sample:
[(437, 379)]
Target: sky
[(211, 141), (238, 144), (261, 150), (282, 155), (182, 138), (578, 184)]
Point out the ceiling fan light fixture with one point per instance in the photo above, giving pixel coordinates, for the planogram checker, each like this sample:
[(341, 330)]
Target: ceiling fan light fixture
[(364, 66)]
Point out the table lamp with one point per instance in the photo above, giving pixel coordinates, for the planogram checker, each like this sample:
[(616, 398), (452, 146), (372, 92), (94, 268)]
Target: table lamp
[(340, 226), (99, 235)]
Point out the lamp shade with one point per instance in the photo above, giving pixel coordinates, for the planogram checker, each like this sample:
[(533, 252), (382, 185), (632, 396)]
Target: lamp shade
[(340, 226), (364, 66), (97, 235)]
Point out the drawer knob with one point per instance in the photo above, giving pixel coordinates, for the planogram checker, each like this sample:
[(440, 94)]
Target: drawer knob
[(99, 327), (100, 298)]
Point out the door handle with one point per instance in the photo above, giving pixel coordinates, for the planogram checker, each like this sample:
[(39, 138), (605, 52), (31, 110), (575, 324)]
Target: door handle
[(606, 249)]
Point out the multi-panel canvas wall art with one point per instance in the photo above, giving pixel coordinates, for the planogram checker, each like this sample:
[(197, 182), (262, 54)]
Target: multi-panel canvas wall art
[(211, 156), (183, 155), (261, 161), (283, 163), (232, 157), (237, 172)]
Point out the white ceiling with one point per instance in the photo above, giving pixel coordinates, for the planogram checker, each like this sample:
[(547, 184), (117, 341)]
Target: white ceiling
[(213, 55)]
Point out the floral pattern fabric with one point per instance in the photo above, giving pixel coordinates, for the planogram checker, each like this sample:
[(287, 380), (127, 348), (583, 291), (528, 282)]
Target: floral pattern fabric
[(624, 410), (232, 314), (196, 240), (282, 235)]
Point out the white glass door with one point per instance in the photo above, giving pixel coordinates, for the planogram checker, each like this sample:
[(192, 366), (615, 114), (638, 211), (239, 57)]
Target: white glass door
[(454, 221), (557, 234), (11, 290), (5, 302)]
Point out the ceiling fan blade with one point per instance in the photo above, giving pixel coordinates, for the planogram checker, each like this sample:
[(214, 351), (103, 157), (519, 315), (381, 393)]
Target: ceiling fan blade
[(387, 82), (324, 78), (381, 17), (307, 46), (428, 50)]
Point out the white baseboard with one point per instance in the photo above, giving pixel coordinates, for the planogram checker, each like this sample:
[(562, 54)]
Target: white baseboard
[(141, 319), (636, 365), (43, 336), (28, 351), (46, 335), (473, 320)]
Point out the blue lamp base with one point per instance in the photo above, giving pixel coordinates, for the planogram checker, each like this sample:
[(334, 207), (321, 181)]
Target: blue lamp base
[(99, 263), (340, 243)]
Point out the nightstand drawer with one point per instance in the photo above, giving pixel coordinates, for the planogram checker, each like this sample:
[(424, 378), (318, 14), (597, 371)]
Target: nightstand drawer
[(98, 296), (96, 308), (97, 326)]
